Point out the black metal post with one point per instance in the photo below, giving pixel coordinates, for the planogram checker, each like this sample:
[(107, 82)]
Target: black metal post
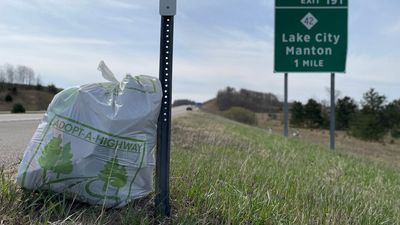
[(286, 109), (333, 112), (164, 121)]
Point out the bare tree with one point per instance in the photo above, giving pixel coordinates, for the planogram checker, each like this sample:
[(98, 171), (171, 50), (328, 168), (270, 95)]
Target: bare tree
[(38, 80), (10, 73), (25, 75), (2, 75), (20, 75), (338, 93), (2, 79), (30, 76)]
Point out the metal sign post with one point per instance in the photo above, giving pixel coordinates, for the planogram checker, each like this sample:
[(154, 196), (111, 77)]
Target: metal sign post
[(286, 109), (333, 112), (167, 12)]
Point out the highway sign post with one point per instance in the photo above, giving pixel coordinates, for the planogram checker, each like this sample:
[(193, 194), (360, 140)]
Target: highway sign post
[(286, 109), (167, 12), (311, 36)]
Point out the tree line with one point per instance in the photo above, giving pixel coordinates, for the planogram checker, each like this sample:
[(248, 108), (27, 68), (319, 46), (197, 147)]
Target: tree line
[(251, 100), (371, 120), (19, 74), (180, 102)]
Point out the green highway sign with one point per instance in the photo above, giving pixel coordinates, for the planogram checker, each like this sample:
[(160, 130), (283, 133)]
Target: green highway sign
[(311, 35)]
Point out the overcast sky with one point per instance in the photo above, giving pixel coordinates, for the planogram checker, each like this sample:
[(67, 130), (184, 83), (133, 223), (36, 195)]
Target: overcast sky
[(217, 44)]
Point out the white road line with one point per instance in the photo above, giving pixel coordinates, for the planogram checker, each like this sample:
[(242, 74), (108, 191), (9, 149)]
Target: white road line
[(20, 117), (18, 120)]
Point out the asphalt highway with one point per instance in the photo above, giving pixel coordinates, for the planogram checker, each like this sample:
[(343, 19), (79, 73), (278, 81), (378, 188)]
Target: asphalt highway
[(16, 131)]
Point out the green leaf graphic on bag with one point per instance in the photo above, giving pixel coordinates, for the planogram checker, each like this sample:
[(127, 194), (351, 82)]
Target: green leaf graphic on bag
[(56, 158), (114, 174)]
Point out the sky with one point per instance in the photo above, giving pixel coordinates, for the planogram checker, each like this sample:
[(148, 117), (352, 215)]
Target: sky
[(217, 44)]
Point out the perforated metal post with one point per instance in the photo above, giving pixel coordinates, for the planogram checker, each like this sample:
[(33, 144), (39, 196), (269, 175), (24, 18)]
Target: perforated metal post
[(167, 11), (286, 109), (333, 113)]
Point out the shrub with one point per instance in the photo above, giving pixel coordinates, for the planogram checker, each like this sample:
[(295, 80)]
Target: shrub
[(272, 116), (14, 90), (52, 89), (241, 115), (39, 87), (368, 126), (395, 132), (8, 98), (18, 108)]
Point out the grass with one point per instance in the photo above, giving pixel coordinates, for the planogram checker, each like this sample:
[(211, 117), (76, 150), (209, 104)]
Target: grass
[(386, 151), (241, 174), (224, 172)]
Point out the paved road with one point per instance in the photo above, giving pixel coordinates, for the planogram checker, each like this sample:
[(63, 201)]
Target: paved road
[(15, 133), (16, 130), (179, 110)]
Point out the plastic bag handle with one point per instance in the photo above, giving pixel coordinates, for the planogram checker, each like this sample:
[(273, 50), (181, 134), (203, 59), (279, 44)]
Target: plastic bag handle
[(106, 72)]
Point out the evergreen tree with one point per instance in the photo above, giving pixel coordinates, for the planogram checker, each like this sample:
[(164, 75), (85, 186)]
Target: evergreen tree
[(370, 123), (392, 116), (56, 158), (326, 117), (64, 164), (312, 111), (373, 102), (113, 174), (346, 108), (297, 114)]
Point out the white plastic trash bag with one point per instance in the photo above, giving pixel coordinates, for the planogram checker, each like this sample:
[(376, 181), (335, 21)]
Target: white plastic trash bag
[(96, 141)]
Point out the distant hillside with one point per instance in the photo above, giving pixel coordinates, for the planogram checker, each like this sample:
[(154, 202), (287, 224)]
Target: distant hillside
[(180, 102), (255, 101), (211, 106), (33, 98)]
